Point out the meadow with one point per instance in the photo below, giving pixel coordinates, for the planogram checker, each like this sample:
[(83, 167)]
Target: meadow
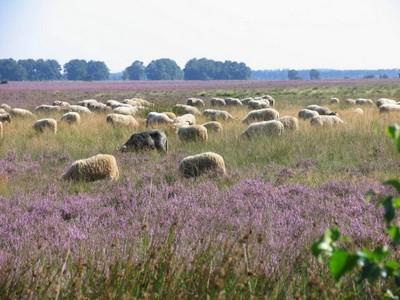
[(154, 234)]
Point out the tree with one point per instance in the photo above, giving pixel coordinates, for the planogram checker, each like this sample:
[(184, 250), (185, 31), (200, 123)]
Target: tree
[(76, 69), (48, 69), (163, 69), (97, 70), (293, 75), (29, 68), (314, 74), (11, 70), (136, 71)]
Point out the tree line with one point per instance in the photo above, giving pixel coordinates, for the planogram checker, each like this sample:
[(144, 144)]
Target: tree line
[(159, 69)]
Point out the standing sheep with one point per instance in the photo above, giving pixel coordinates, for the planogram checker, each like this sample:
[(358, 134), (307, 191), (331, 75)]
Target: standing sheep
[(146, 140), (387, 108), (323, 111), (195, 102), (199, 164), (350, 101), (45, 124), (79, 109), (187, 119), (158, 119), (125, 110), (213, 126), (362, 101), (233, 102), (193, 133), (217, 102), (98, 167), (6, 107), (265, 114), (5, 118), (117, 120), (214, 115), (325, 121), (47, 108), (289, 122), (334, 101), (71, 118), (266, 128), (181, 109), (306, 114), (258, 104), (21, 113)]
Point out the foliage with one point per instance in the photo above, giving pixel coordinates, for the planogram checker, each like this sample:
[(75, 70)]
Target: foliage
[(293, 75), (370, 265), (207, 69), (136, 71), (314, 74), (97, 70), (10, 70), (79, 69), (163, 69)]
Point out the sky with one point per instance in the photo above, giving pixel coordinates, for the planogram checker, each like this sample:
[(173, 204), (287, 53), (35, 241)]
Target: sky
[(265, 34)]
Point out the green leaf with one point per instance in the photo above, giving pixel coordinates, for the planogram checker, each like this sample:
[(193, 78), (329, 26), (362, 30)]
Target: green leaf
[(394, 183), (390, 295), (393, 131), (394, 233), (389, 209), (326, 243), (375, 256), (341, 262)]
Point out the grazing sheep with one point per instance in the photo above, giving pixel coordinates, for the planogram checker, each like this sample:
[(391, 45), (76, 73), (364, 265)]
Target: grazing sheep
[(21, 113), (382, 101), (193, 133), (1, 130), (325, 121), (47, 108), (146, 140), (199, 164), (137, 102), (265, 114), (270, 99), (289, 122), (182, 109), (170, 114), (117, 120), (79, 109), (45, 124), (306, 114), (323, 111), (266, 128), (5, 118), (99, 107), (88, 102), (124, 110), (246, 101), (362, 101), (3, 111), (113, 103), (6, 107), (213, 126), (258, 104), (334, 101), (233, 102), (71, 118), (350, 101), (387, 108), (61, 103), (358, 111), (158, 119), (98, 167), (217, 102), (214, 115), (186, 119), (195, 102)]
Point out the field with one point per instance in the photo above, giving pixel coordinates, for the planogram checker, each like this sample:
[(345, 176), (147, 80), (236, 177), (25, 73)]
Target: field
[(154, 234)]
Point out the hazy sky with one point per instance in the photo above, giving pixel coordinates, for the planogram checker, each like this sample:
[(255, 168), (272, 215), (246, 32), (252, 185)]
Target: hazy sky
[(265, 34)]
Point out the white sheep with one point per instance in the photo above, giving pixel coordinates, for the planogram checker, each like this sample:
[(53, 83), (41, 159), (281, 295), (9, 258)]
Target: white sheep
[(214, 115), (258, 104), (124, 110), (45, 124), (213, 126), (265, 114), (388, 108), (233, 102), (71, 118), (158, 119), (382, 101), (98, 167), (181, 109), (195, 102), (326, 121), (117, 120), (334, 100), (61, 103), (362, 101), (350, 101), (306, 114), (193, 133), (6, 107), (358, 111), (324, 111), (137, 102), (186, 119), (289, 122), (199, 164), (47, 108), (266, 128), (79, 109), (21, 113), (217, 102)]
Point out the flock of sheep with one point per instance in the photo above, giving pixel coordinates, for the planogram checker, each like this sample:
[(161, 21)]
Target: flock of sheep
[(262, 119)]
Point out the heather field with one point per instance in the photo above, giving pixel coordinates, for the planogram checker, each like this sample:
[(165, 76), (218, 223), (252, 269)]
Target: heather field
[(156, 235)]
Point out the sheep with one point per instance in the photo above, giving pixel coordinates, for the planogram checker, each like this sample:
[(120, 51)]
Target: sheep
[(61, 103), (117, 120), (87, 103), (98, 167), (362, 101), (126, 110), (325, 121), (246, 101), (193, 133), (382, 101), (5, 118), (71, 118), (213, 126), (350, 101), (358, 111), (113, 103), (199, 164), (289, 122), (170, 114), (79, 109), (155, 118), (266, 128), (3, 111), (334, 101), (217, 102), (146, 140), (195, 102), (258, 104), (387, 108), (1, 130), (186, 119), (265, 114), (270, 99), (233, 102), (45, 124), (214, 115), (306, 114), (6, 107), (137, 102), (182, 109), (99, 107), (323, 111), (21, 113), (47, 108)]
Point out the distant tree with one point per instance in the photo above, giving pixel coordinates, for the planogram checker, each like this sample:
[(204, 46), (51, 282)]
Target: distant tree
[(11, 70), (76, 69), (314, 74), (97, 70), (163, 69), (369, 76), (207, 69), (136, 71), (293, 75), (29, 69), (48, 69)]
